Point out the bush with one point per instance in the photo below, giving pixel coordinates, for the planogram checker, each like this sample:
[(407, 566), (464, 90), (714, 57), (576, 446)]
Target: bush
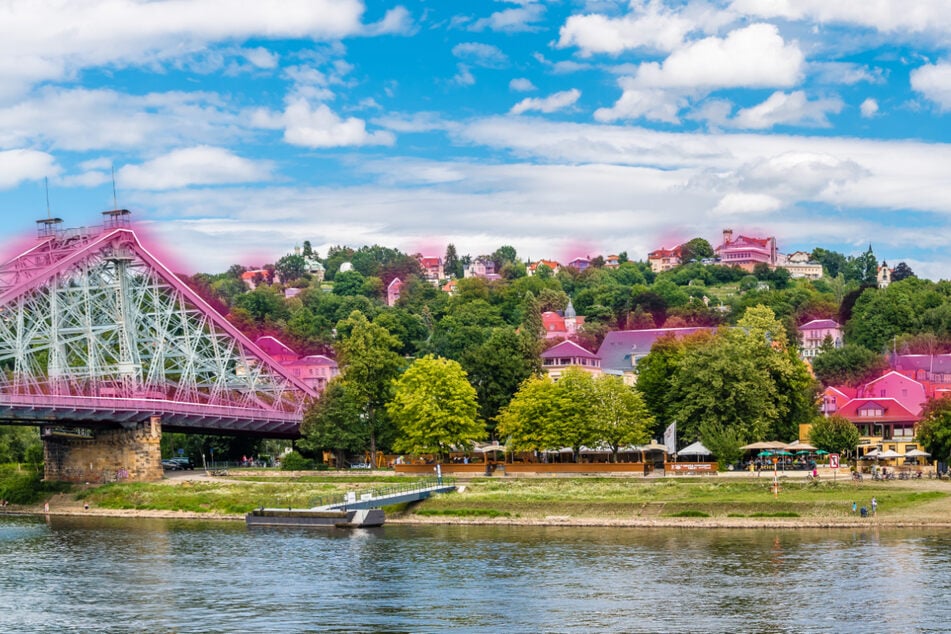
[(27, 486), (296, 462)]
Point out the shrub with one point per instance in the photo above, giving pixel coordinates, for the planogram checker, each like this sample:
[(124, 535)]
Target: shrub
[(296, 462)]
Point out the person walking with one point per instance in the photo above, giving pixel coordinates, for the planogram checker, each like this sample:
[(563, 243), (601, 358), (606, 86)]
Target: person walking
[(854, 507), (874, 506)]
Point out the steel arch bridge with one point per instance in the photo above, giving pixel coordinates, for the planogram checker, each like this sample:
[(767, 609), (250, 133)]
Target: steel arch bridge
[(96, 332)]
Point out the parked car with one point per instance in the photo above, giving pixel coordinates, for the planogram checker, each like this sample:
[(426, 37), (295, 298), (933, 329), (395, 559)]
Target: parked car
[(171, 465), (183, 462)]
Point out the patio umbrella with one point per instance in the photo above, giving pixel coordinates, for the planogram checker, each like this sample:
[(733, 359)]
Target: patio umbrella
[(916, 453), (696, 449), (764, 454), (766, 444), (888, 454), (798, 447), (872, 455), (822, 452)]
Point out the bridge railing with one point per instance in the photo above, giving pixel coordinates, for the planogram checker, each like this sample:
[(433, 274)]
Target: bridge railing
[(379, 492)]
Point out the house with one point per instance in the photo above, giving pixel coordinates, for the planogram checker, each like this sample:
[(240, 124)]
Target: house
[(450, 287), (612, 262), (393, 290), (553, 265), (580, 263), (812, 334), (483, 267), (664, 259), (800, 265), (568, 354), (276, 349), (253, 277), (621, 349), (315, 371), (561, 326), (746, 252), (885, 410), (432, 267)]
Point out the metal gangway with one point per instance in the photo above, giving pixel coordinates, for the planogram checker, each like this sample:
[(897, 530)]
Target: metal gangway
[(378, 498)]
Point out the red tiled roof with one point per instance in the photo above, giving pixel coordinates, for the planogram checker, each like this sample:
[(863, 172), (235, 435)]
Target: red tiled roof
[(894, 411)]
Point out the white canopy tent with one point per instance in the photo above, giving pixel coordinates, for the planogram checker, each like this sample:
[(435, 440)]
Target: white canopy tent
[(695, 450)]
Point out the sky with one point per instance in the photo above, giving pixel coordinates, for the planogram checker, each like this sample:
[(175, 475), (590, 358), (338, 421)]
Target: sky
[(236, 130)]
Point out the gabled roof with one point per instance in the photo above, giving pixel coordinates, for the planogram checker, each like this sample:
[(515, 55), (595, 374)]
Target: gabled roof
[(317, 359), (665, 253), (272, 345), (621, 346), (894, 411), (394, 283), (820, 324), (568, 349), (741, 241)]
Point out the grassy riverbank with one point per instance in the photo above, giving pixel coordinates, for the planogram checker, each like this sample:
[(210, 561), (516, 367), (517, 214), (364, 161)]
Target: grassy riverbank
[(612, 500)]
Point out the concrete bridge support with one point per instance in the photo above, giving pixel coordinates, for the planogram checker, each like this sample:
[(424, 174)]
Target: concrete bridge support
[(130, 453)]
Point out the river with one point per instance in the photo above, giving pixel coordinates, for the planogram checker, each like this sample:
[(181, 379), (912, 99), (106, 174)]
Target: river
[(87, 574)]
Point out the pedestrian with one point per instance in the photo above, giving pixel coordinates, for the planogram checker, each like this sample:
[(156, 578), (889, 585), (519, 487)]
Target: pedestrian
[(854, 505), (438, 473), (874, 506)]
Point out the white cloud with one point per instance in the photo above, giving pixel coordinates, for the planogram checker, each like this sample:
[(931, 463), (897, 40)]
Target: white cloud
[(260, 57), (521, 84), (740, 203), (650, 25), (17, 166), (844, 73), (463, 76), (80, 119), (934, 82), (201, 165), (552, 103), (754, 56), (480, 54), (514, 20), (919, 16), (50, 40), (869, 108), (651, 103), (319, 127), (782, 108)]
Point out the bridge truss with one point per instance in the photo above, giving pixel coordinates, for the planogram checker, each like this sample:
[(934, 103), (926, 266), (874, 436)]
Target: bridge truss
[(94, 330)]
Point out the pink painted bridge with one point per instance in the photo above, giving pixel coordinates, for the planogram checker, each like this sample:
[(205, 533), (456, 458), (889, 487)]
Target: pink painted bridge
[(96, 332)]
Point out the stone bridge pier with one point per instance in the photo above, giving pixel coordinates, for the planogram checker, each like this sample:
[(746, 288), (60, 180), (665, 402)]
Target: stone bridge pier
[(129, 453)]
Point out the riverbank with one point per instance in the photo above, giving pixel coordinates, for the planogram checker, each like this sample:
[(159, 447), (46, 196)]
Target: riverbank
[(734, 502)]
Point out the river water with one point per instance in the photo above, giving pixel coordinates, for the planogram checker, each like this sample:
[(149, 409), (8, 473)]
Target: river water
[(122, 575)]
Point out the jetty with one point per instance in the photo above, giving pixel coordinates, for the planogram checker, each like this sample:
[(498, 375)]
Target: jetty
[(350, 511)]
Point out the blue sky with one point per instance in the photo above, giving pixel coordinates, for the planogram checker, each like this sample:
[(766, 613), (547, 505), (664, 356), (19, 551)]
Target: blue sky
[(563, 128)]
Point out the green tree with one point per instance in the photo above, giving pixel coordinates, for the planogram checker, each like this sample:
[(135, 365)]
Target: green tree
[(934, 428), (349, 283), (835, 434), (724, 441), (264, 303), (619, 414), (336, 422), (746, 378), (902, 271), (523, 423), (850, 365), (695, 250), (434, 408), (452, 265), (369, 361), (291, 267), (497, 367)]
